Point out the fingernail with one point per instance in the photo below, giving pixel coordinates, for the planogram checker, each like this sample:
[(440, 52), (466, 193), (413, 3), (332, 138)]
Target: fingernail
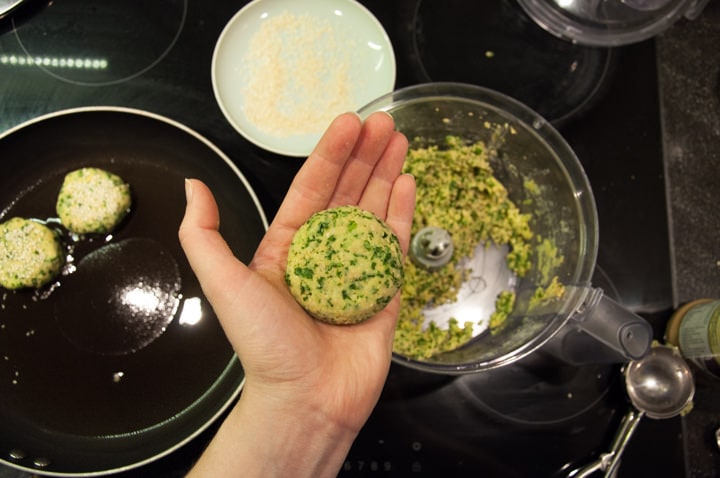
[(387, 113), (356, 114), (188, 190)]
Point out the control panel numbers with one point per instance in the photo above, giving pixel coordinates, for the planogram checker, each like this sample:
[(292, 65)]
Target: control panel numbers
[(373, 466), (369, 465)]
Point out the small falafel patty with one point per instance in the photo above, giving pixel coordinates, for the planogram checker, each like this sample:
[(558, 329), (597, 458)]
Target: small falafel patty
[(344, 265), (30, 254), (92, 200)]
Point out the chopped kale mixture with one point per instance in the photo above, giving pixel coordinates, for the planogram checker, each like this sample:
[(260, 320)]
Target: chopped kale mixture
[(458, 191)]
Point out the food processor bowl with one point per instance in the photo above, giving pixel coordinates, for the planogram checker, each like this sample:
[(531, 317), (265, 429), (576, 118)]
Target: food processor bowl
[(609, 22), (523, 148)]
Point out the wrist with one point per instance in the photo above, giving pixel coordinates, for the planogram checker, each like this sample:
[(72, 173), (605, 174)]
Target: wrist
[(266, 437)]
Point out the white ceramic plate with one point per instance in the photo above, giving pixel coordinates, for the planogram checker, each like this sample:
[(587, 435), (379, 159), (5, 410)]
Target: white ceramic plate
[(283, 69)]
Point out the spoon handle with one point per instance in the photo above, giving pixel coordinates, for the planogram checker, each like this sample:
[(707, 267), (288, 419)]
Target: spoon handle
[(627, 427)]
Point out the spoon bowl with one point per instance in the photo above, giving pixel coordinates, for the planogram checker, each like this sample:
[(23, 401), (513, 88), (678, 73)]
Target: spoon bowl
[(660, 384)]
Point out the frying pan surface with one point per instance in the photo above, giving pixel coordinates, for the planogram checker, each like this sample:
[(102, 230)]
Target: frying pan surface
[(87, 388)]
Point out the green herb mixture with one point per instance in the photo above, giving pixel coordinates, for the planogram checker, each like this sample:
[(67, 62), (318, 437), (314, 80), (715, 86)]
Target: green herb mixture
[(457, 191)]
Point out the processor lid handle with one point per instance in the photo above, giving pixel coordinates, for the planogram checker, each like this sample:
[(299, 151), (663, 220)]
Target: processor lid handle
[(613, 325)]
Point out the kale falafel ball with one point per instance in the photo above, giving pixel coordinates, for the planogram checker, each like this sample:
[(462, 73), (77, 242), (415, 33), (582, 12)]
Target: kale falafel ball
[(30, 254), (92, 200), (344, 265)]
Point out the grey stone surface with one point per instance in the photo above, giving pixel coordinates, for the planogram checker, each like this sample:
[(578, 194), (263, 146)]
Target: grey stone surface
[(689, 74)]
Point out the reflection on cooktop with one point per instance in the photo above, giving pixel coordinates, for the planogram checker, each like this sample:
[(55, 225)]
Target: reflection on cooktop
[(538, 391), (541, 390), (100, 42), (494, 44)]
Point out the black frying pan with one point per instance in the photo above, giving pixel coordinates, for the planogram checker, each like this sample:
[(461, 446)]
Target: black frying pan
[(70, 402)]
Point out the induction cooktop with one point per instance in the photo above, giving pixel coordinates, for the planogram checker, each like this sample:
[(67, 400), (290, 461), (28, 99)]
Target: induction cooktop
[(538, 417)]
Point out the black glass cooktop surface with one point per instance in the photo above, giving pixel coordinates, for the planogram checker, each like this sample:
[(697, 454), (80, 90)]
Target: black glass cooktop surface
[(536, 418)]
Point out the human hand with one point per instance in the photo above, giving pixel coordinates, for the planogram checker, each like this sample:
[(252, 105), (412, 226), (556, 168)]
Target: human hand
[(317, 378)]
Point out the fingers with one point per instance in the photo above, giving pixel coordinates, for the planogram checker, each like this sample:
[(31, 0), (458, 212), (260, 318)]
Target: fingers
[(376, 133), (376, 196), (354, 163), (208, 253), (401, 208), (314, 184)]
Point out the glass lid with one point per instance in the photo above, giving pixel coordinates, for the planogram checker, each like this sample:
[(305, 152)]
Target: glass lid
[(609, 22)]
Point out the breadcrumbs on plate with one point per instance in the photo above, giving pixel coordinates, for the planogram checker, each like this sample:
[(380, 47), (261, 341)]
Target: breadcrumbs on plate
[(298, 75)]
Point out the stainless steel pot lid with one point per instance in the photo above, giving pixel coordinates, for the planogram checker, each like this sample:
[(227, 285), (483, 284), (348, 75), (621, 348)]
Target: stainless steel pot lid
[(609, 22)]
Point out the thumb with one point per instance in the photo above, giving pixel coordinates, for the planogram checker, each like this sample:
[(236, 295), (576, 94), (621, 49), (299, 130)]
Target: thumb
[(209, 255)]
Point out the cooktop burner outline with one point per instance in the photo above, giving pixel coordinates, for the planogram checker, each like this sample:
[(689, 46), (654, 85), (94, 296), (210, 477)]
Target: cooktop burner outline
[(565, 391), (497, 46), (64, 44), (526, 395)]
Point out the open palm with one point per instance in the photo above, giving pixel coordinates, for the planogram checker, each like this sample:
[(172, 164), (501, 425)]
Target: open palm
[(291, 361)]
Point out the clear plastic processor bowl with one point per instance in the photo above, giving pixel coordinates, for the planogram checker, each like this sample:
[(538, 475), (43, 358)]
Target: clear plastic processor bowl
[(609, 22), (563, 210)]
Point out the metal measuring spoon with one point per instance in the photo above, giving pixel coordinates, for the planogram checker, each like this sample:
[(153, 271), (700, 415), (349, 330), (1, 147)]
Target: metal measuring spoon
[(659, 385)]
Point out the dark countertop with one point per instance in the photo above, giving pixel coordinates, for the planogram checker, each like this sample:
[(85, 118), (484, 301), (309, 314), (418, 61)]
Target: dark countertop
[(689, 69), (689, 74)]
